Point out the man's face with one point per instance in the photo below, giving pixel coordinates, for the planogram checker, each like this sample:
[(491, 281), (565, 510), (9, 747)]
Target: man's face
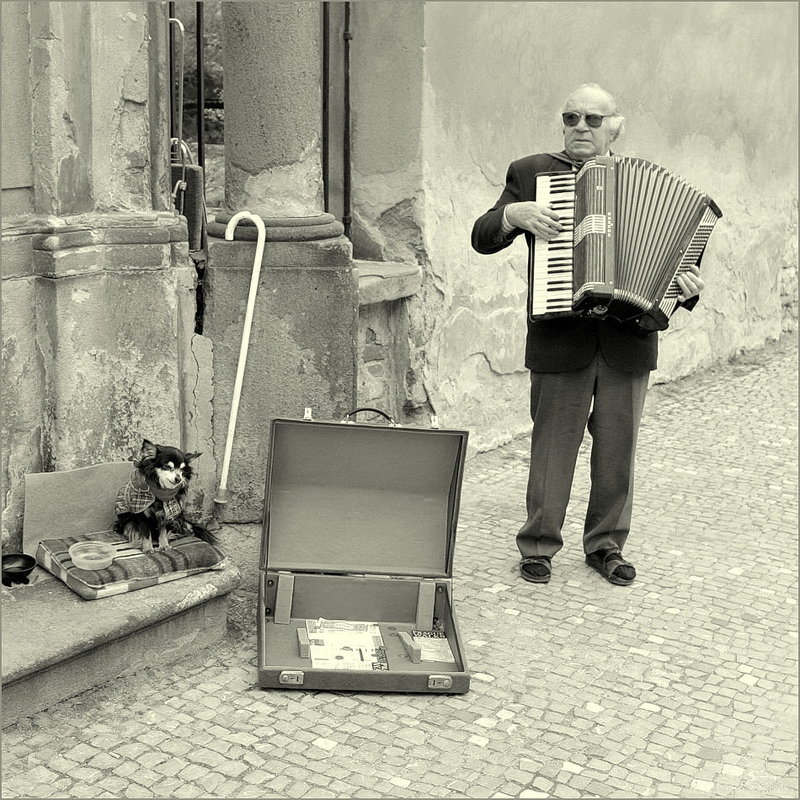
[(582, 141)]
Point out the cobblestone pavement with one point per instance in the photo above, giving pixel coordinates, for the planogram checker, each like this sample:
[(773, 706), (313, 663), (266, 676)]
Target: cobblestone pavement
[(682, 685)]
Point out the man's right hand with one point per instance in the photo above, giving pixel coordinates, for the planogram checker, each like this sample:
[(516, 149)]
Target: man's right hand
[(540, 220)]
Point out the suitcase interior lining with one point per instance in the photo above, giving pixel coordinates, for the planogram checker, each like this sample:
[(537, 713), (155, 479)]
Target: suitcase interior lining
[(342, 498), (390, 603)]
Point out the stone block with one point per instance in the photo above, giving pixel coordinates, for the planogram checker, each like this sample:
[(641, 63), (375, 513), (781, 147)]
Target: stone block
[(57, 645), (334, 253), (17, 258), (302, 349), (99, 346)]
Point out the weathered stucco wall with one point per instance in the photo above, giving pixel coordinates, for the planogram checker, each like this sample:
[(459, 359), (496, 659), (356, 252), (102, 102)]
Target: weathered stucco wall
[(703, 87), (98, 291), (301, 350), (92, 119), (99, 350)]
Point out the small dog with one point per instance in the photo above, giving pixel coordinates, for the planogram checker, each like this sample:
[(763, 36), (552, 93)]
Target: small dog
[(148, 506)]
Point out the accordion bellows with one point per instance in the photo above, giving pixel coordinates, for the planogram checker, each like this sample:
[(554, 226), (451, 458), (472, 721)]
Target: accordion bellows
[(631, 227)]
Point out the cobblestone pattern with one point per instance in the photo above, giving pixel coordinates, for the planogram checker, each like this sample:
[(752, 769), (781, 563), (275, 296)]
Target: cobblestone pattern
[(682, 685)]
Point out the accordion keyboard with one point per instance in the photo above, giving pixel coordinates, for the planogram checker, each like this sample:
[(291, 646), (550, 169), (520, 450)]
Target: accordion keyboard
[(550, 263)]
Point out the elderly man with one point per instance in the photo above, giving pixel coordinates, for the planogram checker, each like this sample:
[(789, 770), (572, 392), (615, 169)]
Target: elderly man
[(585, 372)]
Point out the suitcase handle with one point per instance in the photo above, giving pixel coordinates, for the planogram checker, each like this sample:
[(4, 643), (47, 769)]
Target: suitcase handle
[(373, 410)]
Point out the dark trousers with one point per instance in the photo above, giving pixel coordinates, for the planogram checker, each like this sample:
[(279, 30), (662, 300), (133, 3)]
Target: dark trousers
[(561, 404)]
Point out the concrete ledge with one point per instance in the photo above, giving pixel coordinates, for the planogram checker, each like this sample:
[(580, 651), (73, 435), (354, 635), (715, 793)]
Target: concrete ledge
[(57, 645), (382, 281)]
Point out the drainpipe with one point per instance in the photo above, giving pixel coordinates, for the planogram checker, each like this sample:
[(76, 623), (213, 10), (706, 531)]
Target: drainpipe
[(199, 35), (346, 175), (326, 82), (172, 133)]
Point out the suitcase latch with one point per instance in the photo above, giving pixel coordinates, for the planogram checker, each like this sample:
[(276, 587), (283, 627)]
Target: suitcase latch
[(291, 676), (439, 681)]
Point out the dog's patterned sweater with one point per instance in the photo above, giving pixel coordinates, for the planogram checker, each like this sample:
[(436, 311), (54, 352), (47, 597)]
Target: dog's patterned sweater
[(137, 495)]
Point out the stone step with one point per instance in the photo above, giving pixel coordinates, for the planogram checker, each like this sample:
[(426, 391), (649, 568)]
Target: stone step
[(56, 645)]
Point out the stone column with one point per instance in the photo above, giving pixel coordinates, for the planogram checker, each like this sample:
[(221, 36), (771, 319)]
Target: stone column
[(273, 99), (98, 291), (303, 343)]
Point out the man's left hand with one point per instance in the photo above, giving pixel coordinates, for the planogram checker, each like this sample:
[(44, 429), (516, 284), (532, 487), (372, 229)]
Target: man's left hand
[(691, 283)]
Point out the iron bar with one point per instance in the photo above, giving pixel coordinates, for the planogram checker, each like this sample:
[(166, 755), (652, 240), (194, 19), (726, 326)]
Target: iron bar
[(199, 33), (171, 60), (326, 86), (346, 177)]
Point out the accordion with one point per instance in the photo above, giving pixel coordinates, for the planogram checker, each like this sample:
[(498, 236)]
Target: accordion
[(630, 228)]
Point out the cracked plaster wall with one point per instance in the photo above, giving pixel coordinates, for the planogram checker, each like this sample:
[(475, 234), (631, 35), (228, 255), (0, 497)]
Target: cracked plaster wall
[(91, 119), (99, 349), (701, 85), (99, 352), (387, 199)]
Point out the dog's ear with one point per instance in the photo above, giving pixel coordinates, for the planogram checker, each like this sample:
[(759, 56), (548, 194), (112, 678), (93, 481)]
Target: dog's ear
[(149, 450), (189, 456)]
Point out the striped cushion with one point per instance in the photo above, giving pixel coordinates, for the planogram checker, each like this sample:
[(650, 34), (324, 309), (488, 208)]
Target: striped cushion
[(131, 569)]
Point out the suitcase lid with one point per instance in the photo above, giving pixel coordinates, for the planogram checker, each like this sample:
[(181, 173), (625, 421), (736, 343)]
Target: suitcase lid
[(353, 498)]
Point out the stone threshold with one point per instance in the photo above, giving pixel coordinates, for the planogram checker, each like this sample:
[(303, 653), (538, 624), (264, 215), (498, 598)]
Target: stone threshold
[(57, 645)]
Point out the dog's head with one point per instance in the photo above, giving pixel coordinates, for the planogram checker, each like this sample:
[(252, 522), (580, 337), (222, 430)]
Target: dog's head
[(165, 466)]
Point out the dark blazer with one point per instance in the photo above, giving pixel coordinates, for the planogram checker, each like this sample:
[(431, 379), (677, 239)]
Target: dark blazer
[(561, 344)]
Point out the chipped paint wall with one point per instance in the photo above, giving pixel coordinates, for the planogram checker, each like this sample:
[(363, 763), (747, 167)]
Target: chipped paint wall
[(90, 83), (300, 349), (98, 290), (708, 90)]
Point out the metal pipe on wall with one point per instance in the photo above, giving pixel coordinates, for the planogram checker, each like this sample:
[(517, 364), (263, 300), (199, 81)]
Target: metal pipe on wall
[(346, 176), (171, 15), (326, 82), (199, 33)]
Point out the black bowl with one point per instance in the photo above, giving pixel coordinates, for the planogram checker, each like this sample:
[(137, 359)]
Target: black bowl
[(17, 567)]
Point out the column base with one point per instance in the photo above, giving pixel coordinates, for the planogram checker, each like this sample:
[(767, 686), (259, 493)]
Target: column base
[(279, 229)]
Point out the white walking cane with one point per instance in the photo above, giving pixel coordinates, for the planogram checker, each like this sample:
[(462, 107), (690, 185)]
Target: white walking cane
[(222, 491)]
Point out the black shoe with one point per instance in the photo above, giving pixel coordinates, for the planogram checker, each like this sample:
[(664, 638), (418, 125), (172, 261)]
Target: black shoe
[(535, 569), (612, 566)]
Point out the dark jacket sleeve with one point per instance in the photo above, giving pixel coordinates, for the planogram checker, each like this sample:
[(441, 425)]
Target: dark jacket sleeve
[(487, 232)]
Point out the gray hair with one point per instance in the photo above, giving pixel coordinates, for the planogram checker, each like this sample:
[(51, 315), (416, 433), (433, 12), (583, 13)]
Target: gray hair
[(617, 123)]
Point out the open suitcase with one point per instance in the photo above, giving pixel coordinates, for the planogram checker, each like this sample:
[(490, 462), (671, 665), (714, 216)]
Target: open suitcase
[(355, 586)]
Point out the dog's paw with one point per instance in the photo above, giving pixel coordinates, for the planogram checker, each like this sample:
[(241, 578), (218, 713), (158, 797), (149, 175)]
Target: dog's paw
[(147, 545)]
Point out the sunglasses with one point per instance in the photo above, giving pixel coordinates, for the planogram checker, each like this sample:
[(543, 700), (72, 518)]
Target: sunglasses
[(572, 118)]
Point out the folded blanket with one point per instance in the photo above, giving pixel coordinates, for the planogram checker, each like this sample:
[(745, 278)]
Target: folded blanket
[(131, 569)]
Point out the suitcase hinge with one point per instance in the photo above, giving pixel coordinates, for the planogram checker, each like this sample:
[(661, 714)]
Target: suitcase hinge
[(439, 681)]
